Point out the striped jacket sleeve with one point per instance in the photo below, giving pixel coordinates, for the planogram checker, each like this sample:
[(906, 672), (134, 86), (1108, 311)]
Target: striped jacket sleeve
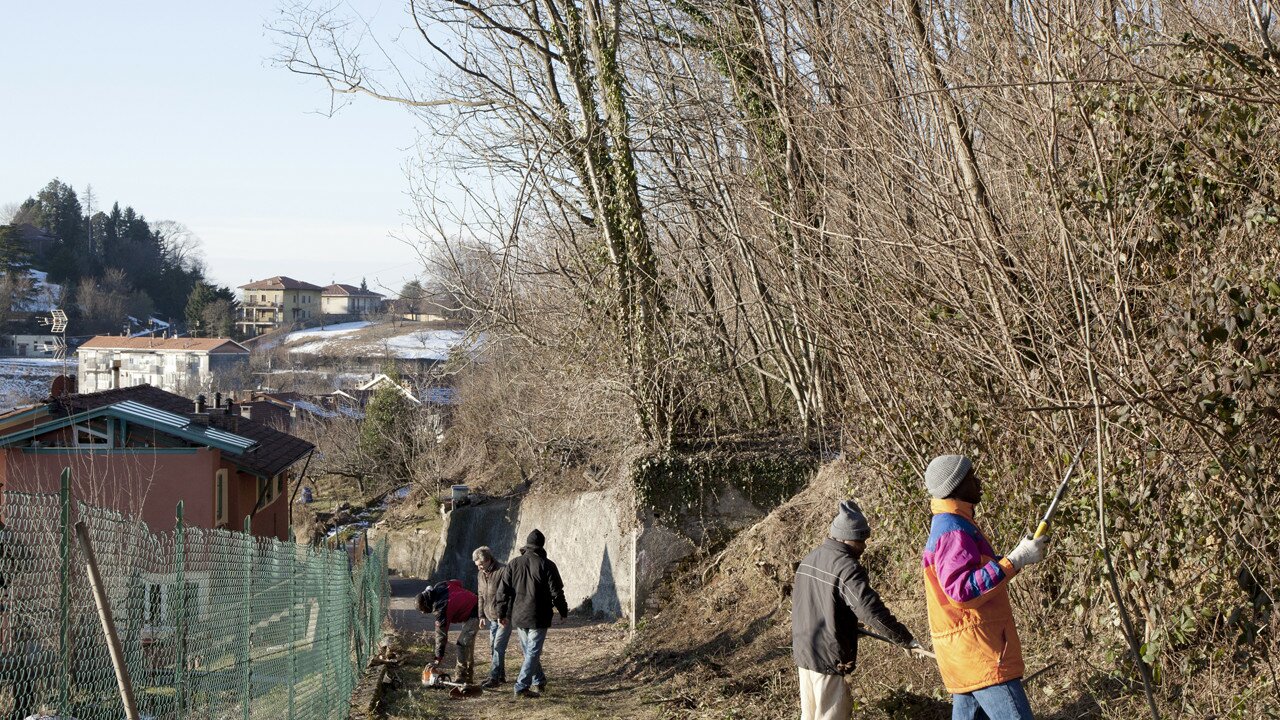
[(865, 602), (963, 575)]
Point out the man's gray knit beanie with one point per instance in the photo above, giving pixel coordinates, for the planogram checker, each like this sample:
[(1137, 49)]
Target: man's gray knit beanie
[(944, 473), (850, 523)]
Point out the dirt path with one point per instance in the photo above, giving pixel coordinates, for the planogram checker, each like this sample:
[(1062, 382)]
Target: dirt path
[(579, 658)]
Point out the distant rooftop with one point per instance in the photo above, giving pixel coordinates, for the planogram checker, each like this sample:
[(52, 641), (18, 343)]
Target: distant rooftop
[(272, 452), (280, 282), (210, 345), (340, 289)]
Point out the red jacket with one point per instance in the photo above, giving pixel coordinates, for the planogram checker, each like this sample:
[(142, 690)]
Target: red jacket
[(451, 603)]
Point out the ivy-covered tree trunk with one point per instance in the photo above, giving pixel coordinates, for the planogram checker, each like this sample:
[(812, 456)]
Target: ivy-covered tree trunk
[(587, 38)]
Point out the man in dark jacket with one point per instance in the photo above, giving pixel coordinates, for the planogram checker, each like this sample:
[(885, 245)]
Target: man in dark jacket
[(451, 604), (527, 592), (488, 574), (832, 595)]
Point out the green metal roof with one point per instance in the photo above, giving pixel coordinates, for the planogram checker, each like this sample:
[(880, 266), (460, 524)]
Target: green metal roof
[(147, 416)]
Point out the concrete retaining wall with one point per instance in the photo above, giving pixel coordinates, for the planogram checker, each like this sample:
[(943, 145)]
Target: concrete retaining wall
[(591, 536), (588, 537)]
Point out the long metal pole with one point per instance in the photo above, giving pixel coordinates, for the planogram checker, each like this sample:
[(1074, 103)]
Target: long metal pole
[(248, 616), (180, 611), (64, 598), (293, 618), (108, 622)]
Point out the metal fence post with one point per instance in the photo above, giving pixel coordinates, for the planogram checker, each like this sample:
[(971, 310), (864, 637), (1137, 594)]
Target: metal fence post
[(180, 610), (248, 616), (293, 619), (64, 598)]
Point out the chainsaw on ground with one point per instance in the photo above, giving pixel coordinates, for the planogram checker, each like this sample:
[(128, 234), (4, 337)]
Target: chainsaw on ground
[(433, 677)]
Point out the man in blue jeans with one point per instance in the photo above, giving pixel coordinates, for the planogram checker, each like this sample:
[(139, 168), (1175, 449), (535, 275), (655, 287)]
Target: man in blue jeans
[(967, 593), (488, 574), (527, 593)]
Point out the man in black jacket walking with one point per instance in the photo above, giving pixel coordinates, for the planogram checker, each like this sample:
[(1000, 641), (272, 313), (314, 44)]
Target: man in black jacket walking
[(527, 593), (832, 595)]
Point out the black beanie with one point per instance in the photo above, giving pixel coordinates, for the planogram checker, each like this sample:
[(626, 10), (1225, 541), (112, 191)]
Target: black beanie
[(535, 539)]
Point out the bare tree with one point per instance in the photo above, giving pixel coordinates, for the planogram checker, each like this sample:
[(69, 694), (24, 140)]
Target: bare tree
[(987, 227), (547, 76)]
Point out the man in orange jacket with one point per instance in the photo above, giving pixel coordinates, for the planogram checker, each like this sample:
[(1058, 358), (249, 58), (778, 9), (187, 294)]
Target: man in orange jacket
[(966, 585)]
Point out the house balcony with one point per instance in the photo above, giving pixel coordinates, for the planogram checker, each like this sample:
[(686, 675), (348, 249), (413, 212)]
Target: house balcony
[(264, 314)]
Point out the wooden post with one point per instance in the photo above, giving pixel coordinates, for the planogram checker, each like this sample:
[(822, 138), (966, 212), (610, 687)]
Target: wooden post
[(108, 623)]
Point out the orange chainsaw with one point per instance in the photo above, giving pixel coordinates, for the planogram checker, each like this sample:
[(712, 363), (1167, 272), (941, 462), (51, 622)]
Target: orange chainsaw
[(433, 677)]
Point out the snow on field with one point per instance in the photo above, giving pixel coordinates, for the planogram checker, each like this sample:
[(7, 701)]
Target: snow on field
[(327, 331), (321, 337), (45, 296), (417, 345), (425, 344), (36, 362), (27, 380)]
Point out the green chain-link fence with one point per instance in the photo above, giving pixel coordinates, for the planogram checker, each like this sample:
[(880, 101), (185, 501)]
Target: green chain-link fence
[(214, 624)]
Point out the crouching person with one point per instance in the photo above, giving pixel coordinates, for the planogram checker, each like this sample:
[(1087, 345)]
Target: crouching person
[(832, 595), (452, 604)]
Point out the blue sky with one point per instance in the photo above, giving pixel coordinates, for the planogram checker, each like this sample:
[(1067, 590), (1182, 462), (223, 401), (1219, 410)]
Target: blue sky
[(176, 109)]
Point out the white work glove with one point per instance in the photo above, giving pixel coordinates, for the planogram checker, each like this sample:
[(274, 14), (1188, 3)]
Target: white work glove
[(1029, 552)]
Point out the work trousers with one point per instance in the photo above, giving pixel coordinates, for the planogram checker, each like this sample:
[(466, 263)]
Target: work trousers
[(824, 697), (467, 651), (1006, 701)]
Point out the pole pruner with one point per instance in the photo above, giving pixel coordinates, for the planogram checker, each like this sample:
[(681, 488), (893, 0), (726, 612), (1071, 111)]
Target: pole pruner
[(1043, 527)]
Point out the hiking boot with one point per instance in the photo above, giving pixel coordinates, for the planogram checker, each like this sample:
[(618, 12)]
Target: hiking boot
[(492, 683), (527, 695), (539, 688)]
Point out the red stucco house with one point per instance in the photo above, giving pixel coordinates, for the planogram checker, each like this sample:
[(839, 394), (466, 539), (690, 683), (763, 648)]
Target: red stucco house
[(139, 450)]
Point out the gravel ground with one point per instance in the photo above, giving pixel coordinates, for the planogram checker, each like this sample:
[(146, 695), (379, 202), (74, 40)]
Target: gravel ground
[(579, 657)]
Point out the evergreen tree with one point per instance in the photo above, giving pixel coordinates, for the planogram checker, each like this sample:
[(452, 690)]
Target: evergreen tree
[(201, 296), (15, 280), (386, 435), (14, 256), (160, 260), (56, 210)]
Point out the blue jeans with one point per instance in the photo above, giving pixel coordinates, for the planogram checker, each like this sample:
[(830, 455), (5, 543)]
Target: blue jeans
[(498, 637), (531, 640), (1006, 701)]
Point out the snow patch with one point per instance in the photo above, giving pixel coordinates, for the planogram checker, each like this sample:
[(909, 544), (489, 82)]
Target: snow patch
[(425, 344), (45, 296), (27, 380), (327, 331)]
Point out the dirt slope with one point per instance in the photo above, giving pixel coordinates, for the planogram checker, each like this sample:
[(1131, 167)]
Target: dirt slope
[(722, 646)]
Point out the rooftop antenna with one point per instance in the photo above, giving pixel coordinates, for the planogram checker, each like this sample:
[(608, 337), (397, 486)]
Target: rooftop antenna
[(57, 323)]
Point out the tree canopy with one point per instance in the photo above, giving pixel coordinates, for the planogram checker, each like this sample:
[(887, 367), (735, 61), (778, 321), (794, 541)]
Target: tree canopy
[(150, 265)]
